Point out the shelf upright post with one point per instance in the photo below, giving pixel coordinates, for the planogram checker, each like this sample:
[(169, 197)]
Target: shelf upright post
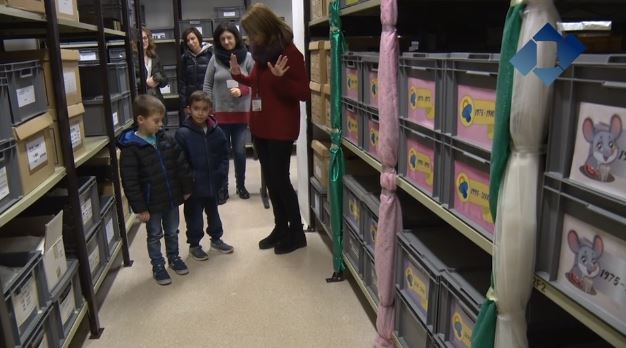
[(131, 33), (56, 64), (178, 10), (140, 53)]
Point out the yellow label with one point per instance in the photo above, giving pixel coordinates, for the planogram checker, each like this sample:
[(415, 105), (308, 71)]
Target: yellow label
[(417, 286), (462, 331), (353, 82), (478, 112), (422, 165), (474, 192), (422, 98), (353, 125), (373, 231), (374, 87), (354, 209), (374, 137)]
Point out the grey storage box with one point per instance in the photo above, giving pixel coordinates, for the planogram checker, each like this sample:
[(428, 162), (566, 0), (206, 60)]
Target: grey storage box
[(353, 124), (371, 137), (358, 192), (318, 196), (369, 75), (235, 21), (110, 223), (352, 248), (369, 275), (89, 205), (471, 97), (172, 80), (67, 301), (228, 12), (22, 278), (163, 34), (10, 183), (409, 330), (350, 76), (45, 333), (26, 89), (421, 90), (466, 186), (121, 113), (421, 159), (204, 26), (91, 82), (117, 54), (6, 122)]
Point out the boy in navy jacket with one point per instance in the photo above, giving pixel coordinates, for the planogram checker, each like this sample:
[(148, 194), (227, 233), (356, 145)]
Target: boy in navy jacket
[(207, 152)]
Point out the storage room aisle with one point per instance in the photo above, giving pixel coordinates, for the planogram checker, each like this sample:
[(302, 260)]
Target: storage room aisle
[(252, 298)]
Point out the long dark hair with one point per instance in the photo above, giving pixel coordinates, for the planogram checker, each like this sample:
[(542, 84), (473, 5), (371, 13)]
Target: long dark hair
[(231, 28)]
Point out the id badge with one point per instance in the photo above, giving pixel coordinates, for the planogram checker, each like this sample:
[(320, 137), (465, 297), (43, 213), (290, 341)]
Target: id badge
[(256, 104), (231, 84)]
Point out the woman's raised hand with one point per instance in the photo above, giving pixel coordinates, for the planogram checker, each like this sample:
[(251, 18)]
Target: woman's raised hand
[(235, 69), (280, 68)]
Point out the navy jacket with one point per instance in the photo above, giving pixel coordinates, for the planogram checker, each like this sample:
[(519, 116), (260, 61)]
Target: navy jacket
[(207, 154), (154, 178)]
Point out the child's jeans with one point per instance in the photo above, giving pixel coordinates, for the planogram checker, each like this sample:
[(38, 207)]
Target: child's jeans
[(194, 206), (159, 224)]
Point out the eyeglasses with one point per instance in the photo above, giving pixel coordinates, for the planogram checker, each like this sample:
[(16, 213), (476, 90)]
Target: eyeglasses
[(145, 38)]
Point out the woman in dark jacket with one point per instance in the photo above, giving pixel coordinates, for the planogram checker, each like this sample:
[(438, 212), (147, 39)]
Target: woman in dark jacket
[(194, 62), (155, 75)]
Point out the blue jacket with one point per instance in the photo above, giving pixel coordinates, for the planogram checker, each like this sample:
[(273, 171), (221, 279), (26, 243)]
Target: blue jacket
[(207, 155)]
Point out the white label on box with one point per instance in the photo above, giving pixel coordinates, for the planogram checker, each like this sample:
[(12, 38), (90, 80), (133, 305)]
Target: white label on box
[(158, 36), (166, 90), (37, 154), (86, 210), (94, 259), (55, 264), (200, 30), (88, 56), (66, 7), (230, 14), (25, 301), (75, 135), (67, 306), (110, 230), (25, 96), (116, 120), (69, 79), (4, 183)]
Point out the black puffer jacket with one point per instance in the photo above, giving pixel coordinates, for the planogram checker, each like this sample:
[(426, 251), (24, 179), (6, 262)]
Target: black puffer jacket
[(193, 68), (155, 179)]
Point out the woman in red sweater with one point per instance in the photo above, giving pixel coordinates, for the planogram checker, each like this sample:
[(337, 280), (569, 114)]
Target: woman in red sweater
[(279, 82)]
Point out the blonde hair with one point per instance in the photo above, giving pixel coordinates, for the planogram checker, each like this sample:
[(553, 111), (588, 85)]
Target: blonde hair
[(260, 21)]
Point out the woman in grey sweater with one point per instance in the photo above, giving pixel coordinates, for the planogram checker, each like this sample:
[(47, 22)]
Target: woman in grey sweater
[(231, 101)]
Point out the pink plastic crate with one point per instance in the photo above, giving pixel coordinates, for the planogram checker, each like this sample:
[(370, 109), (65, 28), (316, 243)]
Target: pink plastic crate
[(420, 164), (421, 100), (352, 83), (373, 137), (373, 89), (471, 196), (352, 131), (476, 115)]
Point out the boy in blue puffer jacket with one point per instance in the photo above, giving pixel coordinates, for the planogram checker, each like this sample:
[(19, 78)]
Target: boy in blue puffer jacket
[(207, 152)]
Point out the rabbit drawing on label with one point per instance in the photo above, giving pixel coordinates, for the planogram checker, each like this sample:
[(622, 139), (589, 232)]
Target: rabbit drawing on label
[(586, 266), (603, 149)]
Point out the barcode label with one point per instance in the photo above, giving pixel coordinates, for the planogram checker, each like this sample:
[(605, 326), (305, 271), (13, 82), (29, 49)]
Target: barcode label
[(75, 135), (36, 151), (25, 96), (69, 79), (230, 14), (4, 183)]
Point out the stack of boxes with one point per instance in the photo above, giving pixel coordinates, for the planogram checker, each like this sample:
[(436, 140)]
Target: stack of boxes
[(66, 9), (320, 82)]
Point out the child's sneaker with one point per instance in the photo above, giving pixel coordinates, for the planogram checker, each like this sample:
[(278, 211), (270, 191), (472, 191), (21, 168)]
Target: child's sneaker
[(161, 276), (179, 266), (198, 254), (222, 247)]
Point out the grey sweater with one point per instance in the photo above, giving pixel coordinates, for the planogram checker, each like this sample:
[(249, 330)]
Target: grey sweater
[(215, 85)]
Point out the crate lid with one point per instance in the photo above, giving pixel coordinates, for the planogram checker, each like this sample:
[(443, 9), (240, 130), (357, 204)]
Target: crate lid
[(33, 126), (314, 86), (321, 148), (65, 281), (601, 59), (72, 111), (15, 266)]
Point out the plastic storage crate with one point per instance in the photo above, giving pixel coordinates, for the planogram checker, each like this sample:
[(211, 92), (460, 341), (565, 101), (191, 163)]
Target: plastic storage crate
[(172, 80), (10, 183), (23, 292), (204, 26), (369, 76), (108, 211), (89, 204), (353, 249), (587, 96), (228, 12), (466, 189), (121, 113), (421, 159), (369, 275), (410, 331), (577, 225), (371, 131), (318, 196), (92, 84), (89, 55), (422, 93), (234, 21), (360, 193), (461, 295), (6, 122), (67, 301), (353, 123), (471, 95), (351, 76), (163, 34), (26, 89), (117, 54), (44, 334)]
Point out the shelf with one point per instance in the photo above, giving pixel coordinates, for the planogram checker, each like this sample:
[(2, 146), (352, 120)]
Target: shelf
[(75, 326), (359, 281), (32, 197), (367, 7), (107, 267), (322, 128), (113, 32), (318, 21), (364, 155), (165, 41), (93, 145), (75, 45), (589, 319), (10, 14)]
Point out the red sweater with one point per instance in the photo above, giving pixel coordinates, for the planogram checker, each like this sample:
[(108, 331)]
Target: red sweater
[(279, 118)]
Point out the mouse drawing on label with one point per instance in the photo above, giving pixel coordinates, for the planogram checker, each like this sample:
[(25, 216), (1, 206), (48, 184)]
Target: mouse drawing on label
[(603, 148), (586, 266)]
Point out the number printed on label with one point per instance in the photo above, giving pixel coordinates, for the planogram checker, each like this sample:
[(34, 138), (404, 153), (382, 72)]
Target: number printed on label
[(4, 183), (110, 231), (25, 301), (116, 120), (69, 79), (75, 135), (65, 7), (25, 96), (36, 152), (86, 210)]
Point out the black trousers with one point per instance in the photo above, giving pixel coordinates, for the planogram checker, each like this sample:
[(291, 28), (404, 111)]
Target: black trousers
[(275, 158)]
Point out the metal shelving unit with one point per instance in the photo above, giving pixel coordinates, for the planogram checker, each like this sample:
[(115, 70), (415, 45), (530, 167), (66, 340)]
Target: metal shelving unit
[(361, 284), (93, 145)]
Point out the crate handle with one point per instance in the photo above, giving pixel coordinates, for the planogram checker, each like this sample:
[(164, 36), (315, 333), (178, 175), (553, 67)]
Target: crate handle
[(479, 73), (614, 84), (478, 56), (350, 108), (475, 158), (350, 64), (26, 72), (606, 214), (419, 68)]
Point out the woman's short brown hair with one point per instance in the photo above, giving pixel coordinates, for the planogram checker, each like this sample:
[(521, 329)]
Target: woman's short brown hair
[(193, 30), (260, 21)]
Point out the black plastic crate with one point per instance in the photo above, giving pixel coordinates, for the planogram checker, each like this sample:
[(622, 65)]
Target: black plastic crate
[(360, 193), (6, 122), (172, 80), (369, 275), (44, 334), (163, 34), (204, 26), (10, 183), (121, 113), (318, 196), (91, 83), (26, 89), (229, 12), (353, 248), (108, 211), (369, 75), (117, 54)]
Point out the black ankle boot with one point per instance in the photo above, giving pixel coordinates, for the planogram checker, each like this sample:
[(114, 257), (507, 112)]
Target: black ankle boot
[(273, 239), (295, 239)]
